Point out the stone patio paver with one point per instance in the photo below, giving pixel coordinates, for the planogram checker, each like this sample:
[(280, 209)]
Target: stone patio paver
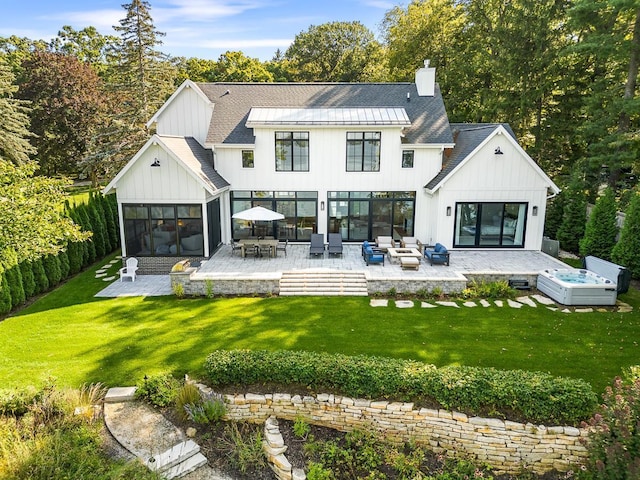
[(404, 304)]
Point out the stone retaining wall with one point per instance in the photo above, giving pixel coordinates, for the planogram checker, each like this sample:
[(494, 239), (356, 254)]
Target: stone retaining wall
[(506, 446), (203, 284), (416, 285)]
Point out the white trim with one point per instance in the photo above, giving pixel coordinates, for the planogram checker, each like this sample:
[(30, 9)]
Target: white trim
[(500, 130)]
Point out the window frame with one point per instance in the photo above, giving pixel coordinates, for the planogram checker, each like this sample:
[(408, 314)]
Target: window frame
[(246, 159), (357, 153), (290, 149), (408, 155)]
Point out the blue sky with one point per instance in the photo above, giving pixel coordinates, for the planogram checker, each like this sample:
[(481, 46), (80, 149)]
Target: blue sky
[(196, 28)]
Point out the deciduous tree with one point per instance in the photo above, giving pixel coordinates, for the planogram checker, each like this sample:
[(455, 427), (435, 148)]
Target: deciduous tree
[(335, 52)]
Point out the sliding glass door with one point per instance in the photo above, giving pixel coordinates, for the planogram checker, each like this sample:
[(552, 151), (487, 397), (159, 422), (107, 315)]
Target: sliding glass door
[(490, 224)]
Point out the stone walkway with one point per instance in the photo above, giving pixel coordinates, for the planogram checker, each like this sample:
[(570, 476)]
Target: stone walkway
[(519, 302), (147, 435)]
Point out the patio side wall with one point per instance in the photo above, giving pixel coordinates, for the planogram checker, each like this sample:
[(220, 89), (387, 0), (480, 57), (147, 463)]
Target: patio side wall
[(239, 285), (506, 446), (417, 285)]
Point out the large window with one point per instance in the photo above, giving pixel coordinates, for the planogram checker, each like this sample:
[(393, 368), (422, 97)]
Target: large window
[(490, 224), (359, 216), (163, 230), (363, 151), (299, 210), (292, 151)]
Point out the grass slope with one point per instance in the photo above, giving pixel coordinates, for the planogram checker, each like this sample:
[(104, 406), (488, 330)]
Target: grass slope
[(77, 338)]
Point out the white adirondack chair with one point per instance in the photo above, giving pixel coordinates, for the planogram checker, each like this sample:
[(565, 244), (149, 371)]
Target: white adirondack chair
[(130, 269)]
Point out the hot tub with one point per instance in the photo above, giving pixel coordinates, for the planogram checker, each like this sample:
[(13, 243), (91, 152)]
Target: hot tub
[(572, 286)]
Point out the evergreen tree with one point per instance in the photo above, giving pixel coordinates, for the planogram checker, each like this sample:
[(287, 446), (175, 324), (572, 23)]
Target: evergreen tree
[(97, 227), (40, 276), (75, 255), (627, 250), (14, 121), (85, 222), (601, 230), (28, 281), (5, 293), (65, 266), (571, 229), (111, 217), (51, 264)]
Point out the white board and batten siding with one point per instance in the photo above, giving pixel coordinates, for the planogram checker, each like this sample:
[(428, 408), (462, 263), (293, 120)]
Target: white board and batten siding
[(169, 183), (186, 115), (488, 177), (327, 164)]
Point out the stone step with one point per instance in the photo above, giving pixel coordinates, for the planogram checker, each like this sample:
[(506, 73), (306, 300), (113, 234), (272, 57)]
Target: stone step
[(323, 283), (319, 293), (173, 456), (191, 464), (120, 394)]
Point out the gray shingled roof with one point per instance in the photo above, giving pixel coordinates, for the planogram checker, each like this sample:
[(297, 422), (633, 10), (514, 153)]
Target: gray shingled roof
[(197, 158), (233, 101), (468, 136)]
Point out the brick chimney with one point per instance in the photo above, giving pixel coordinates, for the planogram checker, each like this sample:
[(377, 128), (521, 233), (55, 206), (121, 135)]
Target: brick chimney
[(426, 80)]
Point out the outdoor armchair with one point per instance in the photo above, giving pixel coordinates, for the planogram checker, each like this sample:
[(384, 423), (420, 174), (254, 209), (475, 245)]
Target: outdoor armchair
[(437, 254), (371, 256), (411, 242), (129, 271), (385, 242)]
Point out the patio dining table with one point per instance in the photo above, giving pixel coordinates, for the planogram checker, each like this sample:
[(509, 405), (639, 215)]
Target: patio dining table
[(251, 243)]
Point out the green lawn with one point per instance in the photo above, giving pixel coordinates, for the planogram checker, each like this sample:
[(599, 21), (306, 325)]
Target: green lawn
[(77, 338)]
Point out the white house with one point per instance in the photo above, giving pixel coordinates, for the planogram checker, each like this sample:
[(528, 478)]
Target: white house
[(362, 160)]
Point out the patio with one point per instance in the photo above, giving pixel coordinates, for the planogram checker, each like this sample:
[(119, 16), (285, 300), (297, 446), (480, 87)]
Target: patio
[(263, 274)]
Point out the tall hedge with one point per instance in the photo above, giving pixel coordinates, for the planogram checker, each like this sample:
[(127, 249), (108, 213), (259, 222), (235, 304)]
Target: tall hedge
[(601, 230), (5, 294), (110, 207), (40, 276), (627, 250)]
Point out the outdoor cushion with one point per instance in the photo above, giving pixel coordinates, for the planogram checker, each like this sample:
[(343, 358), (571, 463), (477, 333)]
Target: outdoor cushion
[(192, 243), (439, 254)]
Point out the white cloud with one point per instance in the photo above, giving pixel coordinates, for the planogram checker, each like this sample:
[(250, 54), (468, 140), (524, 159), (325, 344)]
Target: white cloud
[(103, 20), (202, 10), (382, 4)]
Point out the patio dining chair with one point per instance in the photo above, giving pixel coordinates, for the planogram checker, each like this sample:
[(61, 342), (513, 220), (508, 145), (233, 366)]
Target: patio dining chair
[(282, 247)]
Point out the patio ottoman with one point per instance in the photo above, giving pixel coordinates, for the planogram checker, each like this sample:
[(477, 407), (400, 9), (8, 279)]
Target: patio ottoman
[(409, 262)]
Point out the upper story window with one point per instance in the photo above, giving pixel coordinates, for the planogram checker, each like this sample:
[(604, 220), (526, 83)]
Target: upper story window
[(407, 159), (292, 151), (363, 151), (247, 158)]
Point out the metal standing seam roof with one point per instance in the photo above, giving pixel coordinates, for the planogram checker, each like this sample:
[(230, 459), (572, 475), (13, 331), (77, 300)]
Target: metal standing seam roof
[(233, 103), (197, 158), (328, 116), (468, 136)]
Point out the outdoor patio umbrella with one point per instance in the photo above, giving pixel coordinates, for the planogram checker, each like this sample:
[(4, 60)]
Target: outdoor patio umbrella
[(258, 214)]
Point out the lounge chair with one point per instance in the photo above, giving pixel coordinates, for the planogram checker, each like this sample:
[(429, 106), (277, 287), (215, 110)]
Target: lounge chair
[(317, 244), (384, 242), (335, 244), (129, 271), (411, 242), (372, 256), (437, 254)]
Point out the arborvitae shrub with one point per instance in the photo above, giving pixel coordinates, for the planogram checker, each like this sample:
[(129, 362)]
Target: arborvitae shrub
[(28, 281), (83, 216), (111, 215), (65, 267), (601, 230), (74, 254), (40, 276), (571, 229), (51, 265), (627, 250), (14, 280), (98, 229), (5, 295), (553, 219), (98, 201)]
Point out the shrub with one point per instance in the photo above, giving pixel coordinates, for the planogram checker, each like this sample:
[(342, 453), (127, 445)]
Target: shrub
[(42, 281), (16, 402), (613, 446), (627, 250), (211, 409), (301, 428), (534, 396), (51, 264), (601, 230), (498, 289), (159, 390), (572, 227), (28, 280), (188, 394)]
